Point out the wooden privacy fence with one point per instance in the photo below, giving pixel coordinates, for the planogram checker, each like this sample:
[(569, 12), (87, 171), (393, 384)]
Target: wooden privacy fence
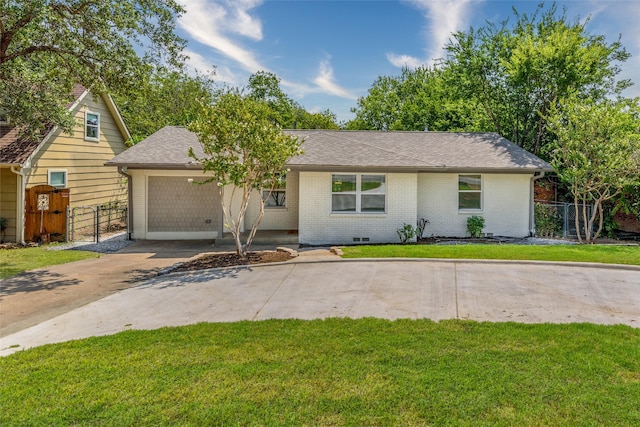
[(46, 214)]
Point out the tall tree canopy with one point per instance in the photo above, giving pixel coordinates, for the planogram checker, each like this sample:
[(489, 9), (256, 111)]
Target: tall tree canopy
[(287, 113), (500, 78), (164, 98), (416, 100), (46, 46), (518, 73)]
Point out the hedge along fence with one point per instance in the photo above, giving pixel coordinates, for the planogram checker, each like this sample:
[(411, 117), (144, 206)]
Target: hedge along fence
[(556, 219)]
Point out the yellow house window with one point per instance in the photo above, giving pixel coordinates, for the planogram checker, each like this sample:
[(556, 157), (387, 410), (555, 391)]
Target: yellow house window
[(57, 178), (91, 126)]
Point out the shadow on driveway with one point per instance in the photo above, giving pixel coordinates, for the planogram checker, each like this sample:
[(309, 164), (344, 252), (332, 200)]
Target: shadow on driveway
[(183, 278), (32, 281)]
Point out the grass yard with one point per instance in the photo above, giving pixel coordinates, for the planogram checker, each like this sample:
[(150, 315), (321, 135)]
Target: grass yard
[(14, 261), (331, 372), (607, 254)]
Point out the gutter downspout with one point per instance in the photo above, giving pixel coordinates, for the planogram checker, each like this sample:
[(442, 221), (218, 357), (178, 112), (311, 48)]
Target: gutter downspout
[(532, 206), (122, 170), (20, 205)]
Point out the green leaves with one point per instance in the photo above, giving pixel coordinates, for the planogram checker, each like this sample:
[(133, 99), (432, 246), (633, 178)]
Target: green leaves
[(164, 98), (47, 46), (244, 149), (597, 153)]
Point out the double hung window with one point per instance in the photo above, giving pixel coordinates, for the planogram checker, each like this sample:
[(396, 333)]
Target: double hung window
[(469, 192), (92, 126), (358, 193)]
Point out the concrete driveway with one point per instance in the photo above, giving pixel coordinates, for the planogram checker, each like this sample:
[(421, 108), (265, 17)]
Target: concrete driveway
[(497, 291)]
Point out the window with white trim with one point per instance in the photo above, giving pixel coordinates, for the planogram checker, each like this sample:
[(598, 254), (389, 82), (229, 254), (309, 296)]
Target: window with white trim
[(469, 192), (278, 196), (91, 126), (57, 178), (358, 193)]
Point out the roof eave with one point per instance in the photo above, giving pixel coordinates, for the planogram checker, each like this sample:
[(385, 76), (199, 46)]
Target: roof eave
[(418, 169), (156, 166)]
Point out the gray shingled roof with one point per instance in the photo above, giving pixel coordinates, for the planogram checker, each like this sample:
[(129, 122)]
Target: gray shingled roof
[(341, 150)]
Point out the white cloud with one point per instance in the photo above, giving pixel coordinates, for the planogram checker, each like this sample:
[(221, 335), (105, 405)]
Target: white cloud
[(404, 60), (240, 21), (444, 17), (325, 81), (220, 24), (212, 23)]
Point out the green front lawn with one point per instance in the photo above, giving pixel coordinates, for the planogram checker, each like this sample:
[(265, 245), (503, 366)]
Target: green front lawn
[(331, 372), (607, 254), (14, 261)]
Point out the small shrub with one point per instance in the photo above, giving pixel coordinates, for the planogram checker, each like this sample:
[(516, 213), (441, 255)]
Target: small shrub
[(406, 233), (548, 220), (4, 223), (475, 225), (420, 226)]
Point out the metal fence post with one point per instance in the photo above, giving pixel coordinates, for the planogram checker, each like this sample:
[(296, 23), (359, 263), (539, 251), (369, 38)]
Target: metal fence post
[(98, 224)]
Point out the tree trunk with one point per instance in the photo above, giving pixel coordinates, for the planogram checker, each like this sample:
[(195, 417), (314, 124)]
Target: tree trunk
[(577, 220)]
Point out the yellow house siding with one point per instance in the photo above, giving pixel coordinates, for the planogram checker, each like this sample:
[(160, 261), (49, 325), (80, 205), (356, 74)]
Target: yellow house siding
[(8, 200), (89, 181)]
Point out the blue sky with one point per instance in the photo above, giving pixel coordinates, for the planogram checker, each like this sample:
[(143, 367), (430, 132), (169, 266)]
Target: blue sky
[(328, 53)]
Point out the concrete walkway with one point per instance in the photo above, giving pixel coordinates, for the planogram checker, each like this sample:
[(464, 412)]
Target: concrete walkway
[(498, 291)]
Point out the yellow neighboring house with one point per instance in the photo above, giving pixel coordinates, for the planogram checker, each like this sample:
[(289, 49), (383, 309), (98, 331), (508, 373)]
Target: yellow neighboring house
[(71, 167)]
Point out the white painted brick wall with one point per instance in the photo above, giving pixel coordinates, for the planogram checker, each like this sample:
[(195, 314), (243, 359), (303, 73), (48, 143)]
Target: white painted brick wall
[(317, 225), (505, 204), (277, 218)]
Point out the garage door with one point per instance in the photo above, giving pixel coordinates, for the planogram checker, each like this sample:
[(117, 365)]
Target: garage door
[(176, 205)]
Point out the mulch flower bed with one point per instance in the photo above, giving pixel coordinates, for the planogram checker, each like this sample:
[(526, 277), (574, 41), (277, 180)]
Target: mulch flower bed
[(231, 260)]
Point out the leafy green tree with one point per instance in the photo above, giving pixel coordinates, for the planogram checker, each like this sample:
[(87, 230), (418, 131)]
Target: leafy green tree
[(287, 113), (47, 46), (416, 100), (322, 120), (264, 86), (164, 98), (518, 73), (597, 154), (245, 152)]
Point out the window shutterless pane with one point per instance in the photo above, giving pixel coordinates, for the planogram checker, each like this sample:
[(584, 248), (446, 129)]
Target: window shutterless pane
[(469, 182), (372, 203), (57, 179), (469, 200), (343, 202), (372, 184), (92, 125), (343, 183), (277, 198)]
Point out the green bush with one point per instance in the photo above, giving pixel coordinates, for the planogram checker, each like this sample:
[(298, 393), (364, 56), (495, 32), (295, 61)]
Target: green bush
[(548, 220), (406, 233), (475, 225)]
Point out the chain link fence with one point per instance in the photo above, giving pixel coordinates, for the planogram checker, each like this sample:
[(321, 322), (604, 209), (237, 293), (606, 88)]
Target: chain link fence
[(558, 219)]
